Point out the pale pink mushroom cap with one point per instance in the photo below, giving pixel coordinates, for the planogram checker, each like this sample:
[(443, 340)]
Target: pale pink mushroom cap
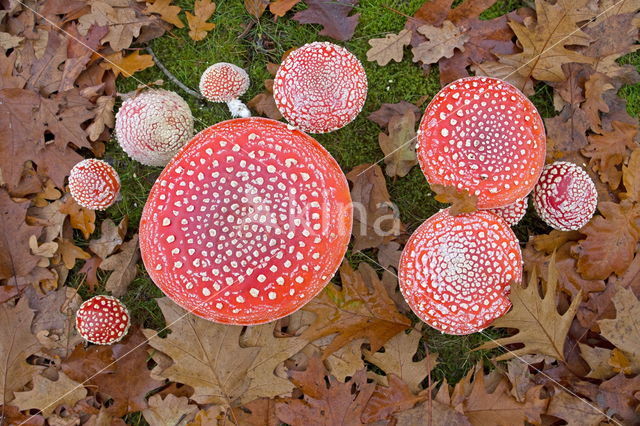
[(152, 126), (247, 223), (455, 271), (513, 213), (565, 196), (94, 184), (483, 135), (320, 87), (223, 82), (102, 320)]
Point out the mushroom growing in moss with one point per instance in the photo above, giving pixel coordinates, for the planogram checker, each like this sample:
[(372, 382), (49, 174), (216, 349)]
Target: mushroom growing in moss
[(94, 184), (224, 82)]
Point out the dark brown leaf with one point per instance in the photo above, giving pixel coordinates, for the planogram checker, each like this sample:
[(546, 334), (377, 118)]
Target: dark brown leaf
[(333, 15), (399, 145), (386, 112)]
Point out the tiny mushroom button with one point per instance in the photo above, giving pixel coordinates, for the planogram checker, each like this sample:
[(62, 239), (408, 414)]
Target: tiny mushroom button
[(455, 271), (247, 223), (94, 184), (565, 196), (153, 125), (483, 135), (320, 87), (102, 320), (225, 82)]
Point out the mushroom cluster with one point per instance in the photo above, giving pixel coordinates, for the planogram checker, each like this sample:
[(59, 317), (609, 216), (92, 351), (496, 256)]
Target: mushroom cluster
[(247, 223), (94, 184)]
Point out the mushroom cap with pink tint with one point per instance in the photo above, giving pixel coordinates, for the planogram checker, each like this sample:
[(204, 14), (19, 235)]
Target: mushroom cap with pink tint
[(223, 82), (153, 125), (102, 320), (320, 87), (483, 135), (455, 271), (247, 223), (565, 196), (513, 213), (94, 184)]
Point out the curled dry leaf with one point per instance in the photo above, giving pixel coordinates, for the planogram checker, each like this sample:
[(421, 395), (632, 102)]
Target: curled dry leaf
[(198, 25), (47, 395), (391, 47), (123, 266), (441, 42)]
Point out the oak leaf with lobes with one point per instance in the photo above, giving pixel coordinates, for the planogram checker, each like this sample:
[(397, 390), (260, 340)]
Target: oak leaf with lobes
[(391, 47), (47, 394), (198, 25), (333, 15), (624, 330), (441, 42), (399, 145)]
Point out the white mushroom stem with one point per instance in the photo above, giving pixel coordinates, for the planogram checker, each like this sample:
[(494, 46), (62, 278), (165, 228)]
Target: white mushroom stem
[(238, 108)]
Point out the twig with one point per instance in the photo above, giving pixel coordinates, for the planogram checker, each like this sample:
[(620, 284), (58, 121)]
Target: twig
[(173, 77)]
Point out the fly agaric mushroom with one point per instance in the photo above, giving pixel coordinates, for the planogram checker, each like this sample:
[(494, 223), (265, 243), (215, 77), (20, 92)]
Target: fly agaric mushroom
[(247, 223), (102, 320), (94, 184), (483, 135), (455, 271), (513, 213), (224, 82), (565, 196), (320, 87), (153, 125)]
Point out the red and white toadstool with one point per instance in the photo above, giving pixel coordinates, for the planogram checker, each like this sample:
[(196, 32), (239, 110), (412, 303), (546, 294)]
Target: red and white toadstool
[(565, 196), (455, 271), (153, 125), (102, 320), (320, 87), (247, 223), (483, 135), (513, 213), (224, 82), (94, 184)]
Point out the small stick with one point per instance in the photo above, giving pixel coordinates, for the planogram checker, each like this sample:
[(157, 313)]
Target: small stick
[(173, 77)]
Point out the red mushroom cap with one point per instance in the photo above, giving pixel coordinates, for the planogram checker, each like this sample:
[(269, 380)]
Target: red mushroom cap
[(320, 87), (94, 184), (565, 196), (102, 320), (247, 223), (483, 135), (455, 271), (513, 213), (152, 126), (223, 82)]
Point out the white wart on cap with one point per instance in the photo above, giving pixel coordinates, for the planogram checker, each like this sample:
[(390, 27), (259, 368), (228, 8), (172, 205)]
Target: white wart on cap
[(247, 223), (565, 196), (455, 271), (102, 320), (320, 87), (153, 125)]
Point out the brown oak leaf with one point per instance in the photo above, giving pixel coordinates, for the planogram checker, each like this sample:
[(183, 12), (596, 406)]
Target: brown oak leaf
[(167, 11), (441, 42), (81, 219), (127, 65), (391, 47), (387, 400), (333, 15), (624, 330), (631, 177), (399, 145), (111, 237), (198, 25), (169, 411), (47, 394), (256, 8), (461, 201), (123, 266), (281, 7), (386, 112)]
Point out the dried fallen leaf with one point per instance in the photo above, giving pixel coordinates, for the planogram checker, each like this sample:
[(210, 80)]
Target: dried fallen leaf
[(461, 201), (81, 219), (387, 400), (256, 8), (104, 117), (631, 177), (47, 395), (332, 15), (281, 7), (598, 360), (111, 237), (541, 329), (386, 112), (167, 11), (624, 330), (264, 104), (70, 253), (127, 65), (441, 42), (169, 411), (573, 409), (399, 145), (123, 266), (198, 25), (391, 47)]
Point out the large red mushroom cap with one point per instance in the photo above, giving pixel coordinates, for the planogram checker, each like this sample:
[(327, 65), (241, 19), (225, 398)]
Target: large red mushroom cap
[(455, 271), (94, 184), (483, 135), (247, 223), (320, 87), (102, 320), (513, 213), (152, 126), (565, 196)]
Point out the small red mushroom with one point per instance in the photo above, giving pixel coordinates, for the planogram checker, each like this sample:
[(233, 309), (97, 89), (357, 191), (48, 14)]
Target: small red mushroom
[(455, 271), (102, 320), (247, 223), (225, 82), (320, 87), (94, 184), (513, 213), (565, 196), (153, 125), (483, 135)]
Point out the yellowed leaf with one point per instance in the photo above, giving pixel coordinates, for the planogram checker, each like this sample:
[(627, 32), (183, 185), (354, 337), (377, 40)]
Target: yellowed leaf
[(127, 65), (70, 253), (167, 11), (81, 219), (198, 25)]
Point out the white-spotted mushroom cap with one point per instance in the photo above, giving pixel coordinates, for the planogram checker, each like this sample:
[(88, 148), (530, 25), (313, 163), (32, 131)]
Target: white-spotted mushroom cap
[(483, 135), (225, 82), (102, 320), (513, 213), (565, 196), (94, 184), (455, 271), (152, 126), (247, 223), (320, 87)]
